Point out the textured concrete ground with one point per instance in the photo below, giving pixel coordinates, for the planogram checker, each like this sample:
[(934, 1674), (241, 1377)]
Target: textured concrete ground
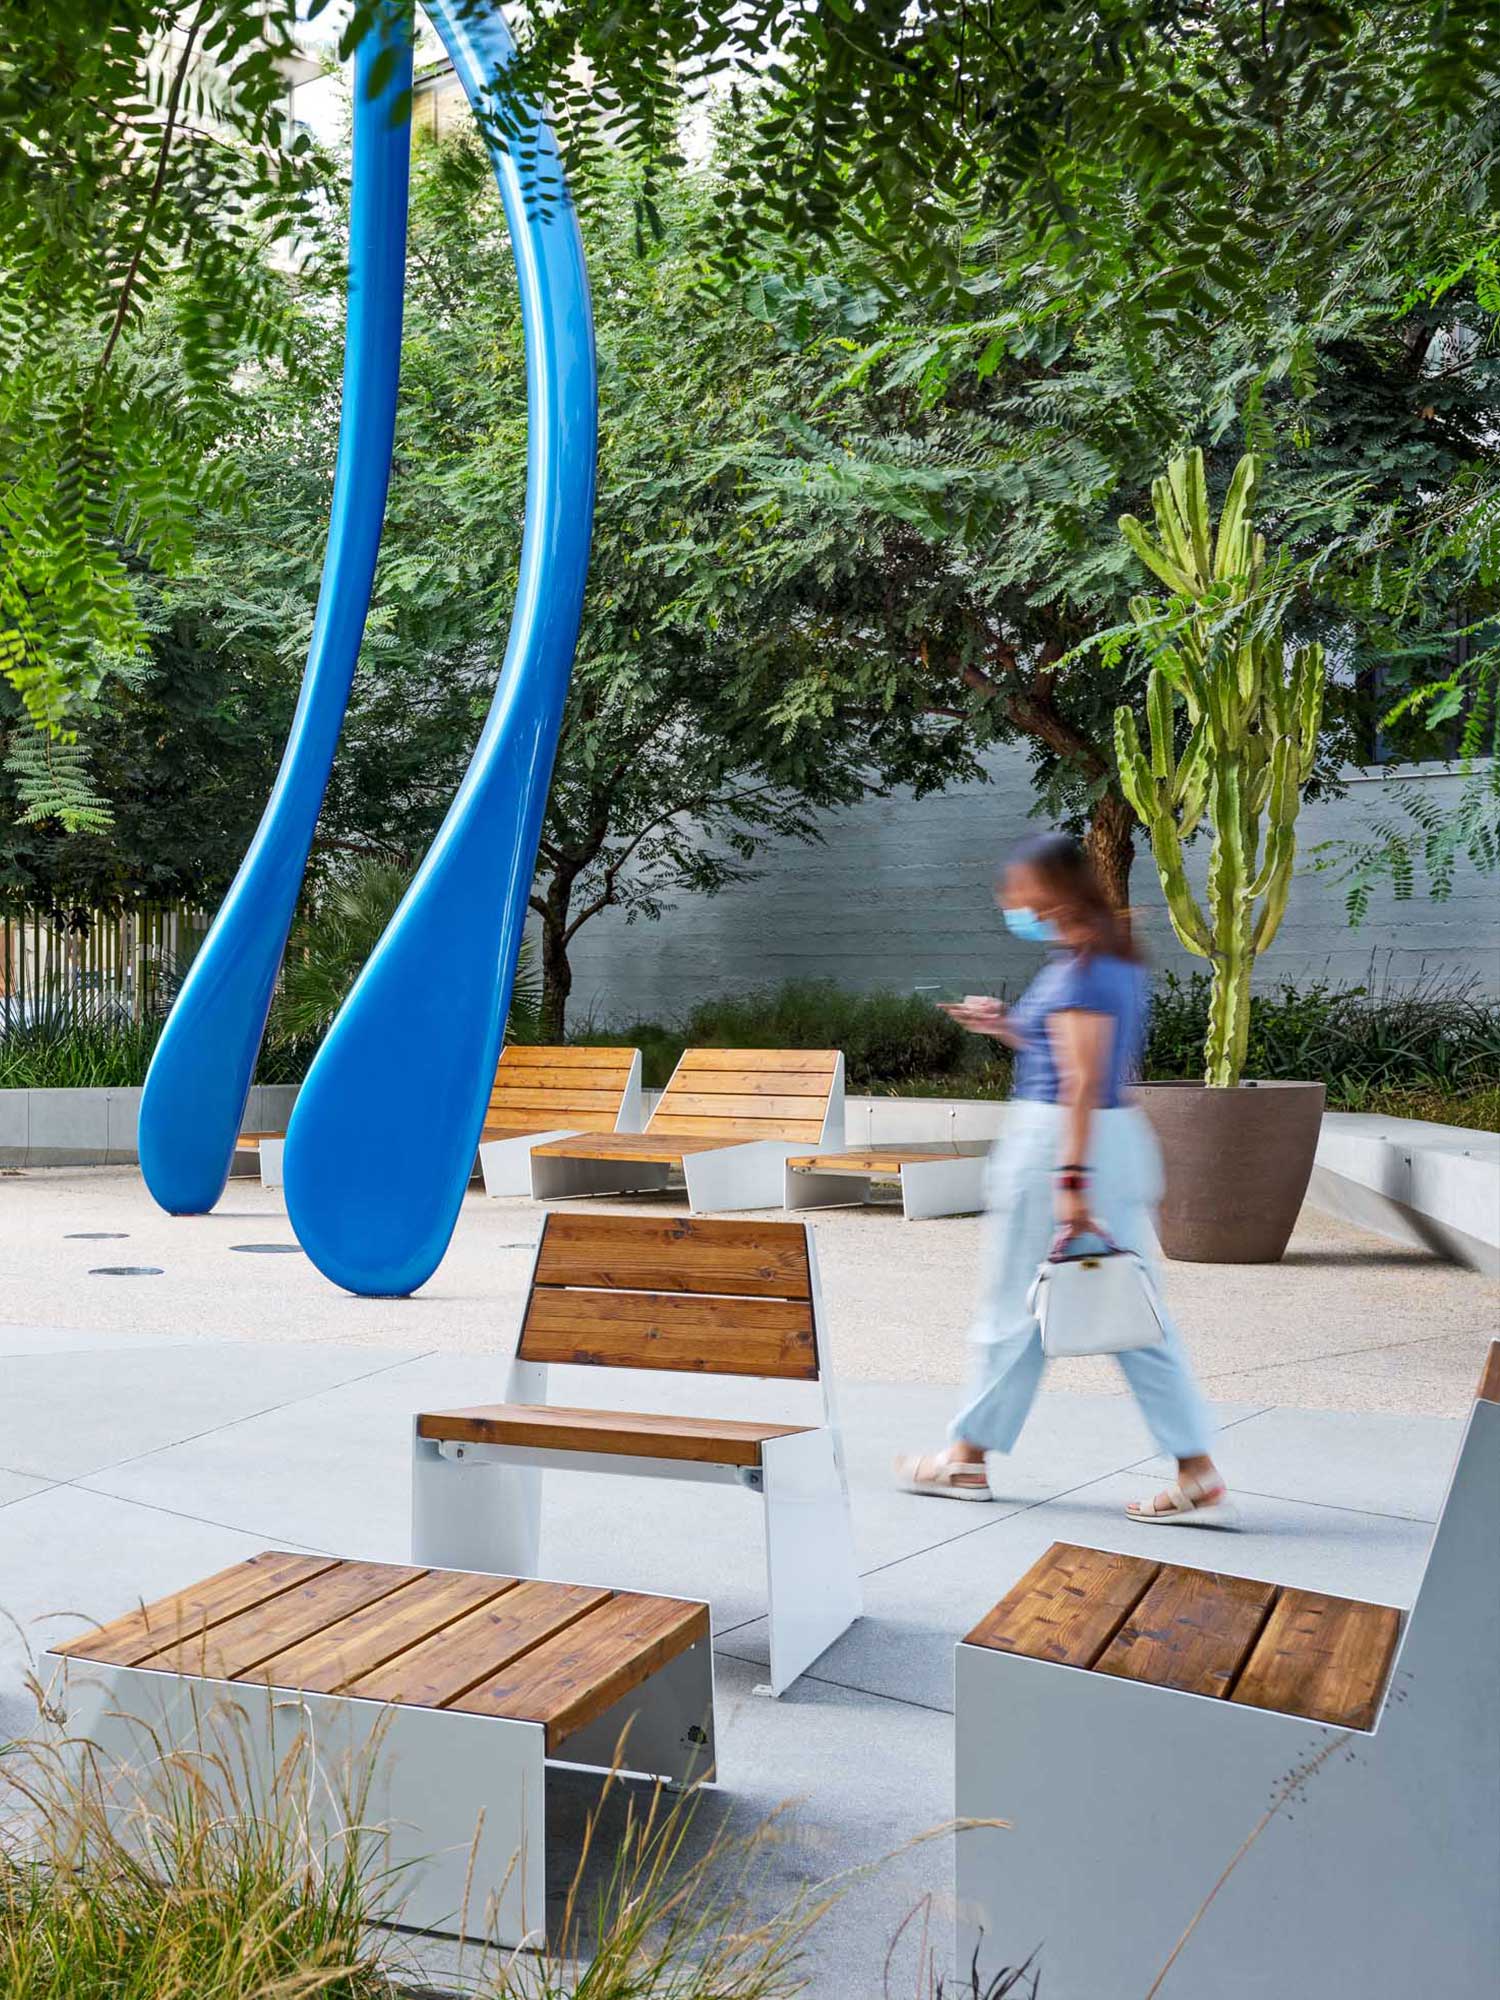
[(1346, 1322), (153, 1429)]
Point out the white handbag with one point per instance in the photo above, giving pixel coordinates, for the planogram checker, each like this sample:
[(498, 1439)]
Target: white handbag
[(1094, 1301)]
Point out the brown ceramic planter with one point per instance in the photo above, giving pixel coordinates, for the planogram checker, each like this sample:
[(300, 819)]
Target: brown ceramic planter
[(1237, 1166)]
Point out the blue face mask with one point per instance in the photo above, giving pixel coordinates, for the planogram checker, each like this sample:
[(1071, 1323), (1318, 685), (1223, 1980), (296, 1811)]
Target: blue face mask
[(1024, 923)]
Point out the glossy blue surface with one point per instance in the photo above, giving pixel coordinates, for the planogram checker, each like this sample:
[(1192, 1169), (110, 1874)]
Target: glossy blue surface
[(201, 1073), (382, 1140)]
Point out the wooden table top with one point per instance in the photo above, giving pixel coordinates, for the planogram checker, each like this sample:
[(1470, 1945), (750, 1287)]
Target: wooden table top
[(558, 1654)]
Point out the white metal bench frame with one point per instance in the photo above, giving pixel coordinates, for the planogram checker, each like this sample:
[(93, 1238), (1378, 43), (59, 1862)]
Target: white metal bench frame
[(1376, 1877), (929, 1188), (491, 1518), (459, 1800)]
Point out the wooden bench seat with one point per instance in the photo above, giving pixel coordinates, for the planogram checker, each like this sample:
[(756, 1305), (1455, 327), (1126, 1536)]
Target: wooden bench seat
[(884, 1162), (726, 1120), (698, 1298), (616, 1433), (1245, 1787), (938, 1177), (429, 1638), (1296, 1651), (627, 1146), (452, 1686)]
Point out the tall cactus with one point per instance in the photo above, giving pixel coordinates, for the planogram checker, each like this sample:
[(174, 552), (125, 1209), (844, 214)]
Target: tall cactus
[(1253, 708)]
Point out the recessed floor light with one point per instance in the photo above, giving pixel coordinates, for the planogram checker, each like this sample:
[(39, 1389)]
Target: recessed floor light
[(126, 1271), (270, 1249)]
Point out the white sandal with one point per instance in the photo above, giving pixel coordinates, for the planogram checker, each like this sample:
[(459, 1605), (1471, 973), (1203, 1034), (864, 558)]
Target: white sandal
[(1187, 1507), (943, 1477)]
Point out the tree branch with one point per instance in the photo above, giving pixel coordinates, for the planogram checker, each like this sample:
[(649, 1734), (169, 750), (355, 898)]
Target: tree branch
[(153, 199)]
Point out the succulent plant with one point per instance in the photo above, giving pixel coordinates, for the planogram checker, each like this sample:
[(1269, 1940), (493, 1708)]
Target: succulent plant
[(1253, 706)]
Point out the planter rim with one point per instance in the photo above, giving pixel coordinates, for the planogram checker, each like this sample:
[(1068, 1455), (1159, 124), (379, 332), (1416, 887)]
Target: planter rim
[(1245, 1083)]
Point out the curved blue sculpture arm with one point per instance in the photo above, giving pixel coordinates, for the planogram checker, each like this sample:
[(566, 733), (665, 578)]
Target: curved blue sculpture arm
[(383, 1136), (204, 1063)]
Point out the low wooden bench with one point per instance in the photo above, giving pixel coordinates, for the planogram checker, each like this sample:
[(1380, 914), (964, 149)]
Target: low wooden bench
[(538, 1094), (698, 1298), (450, 1689), (1138, 1723), (727, 1122), (945, 1177)]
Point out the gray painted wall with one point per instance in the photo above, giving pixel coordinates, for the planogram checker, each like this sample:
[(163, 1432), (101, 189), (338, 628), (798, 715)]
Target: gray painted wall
[(898, 894)]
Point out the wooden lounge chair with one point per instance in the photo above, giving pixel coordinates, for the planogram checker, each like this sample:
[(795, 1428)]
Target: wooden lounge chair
[(281, 1684), (728, 1120), (543, 1094), (703, 1298), (1143, 1726), (539, 1093)]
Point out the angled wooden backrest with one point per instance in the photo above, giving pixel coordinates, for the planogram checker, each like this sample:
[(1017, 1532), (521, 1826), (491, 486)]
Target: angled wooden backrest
[(545, 1088), (748, 1094), (1489, 1379), (696, 1296)]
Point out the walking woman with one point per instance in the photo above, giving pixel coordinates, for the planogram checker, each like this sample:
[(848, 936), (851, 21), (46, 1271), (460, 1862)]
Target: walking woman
[(1075, 1157)]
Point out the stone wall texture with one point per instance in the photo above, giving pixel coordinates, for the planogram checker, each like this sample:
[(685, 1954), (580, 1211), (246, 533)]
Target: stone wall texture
[(896, 893)]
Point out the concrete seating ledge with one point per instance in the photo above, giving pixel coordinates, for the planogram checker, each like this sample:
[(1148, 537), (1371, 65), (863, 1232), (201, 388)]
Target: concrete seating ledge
[(1434, 1186), (1437, 1186)]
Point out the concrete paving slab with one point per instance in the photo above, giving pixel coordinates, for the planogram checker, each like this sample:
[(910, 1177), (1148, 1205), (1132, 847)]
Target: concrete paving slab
[(1382, 1384), (80, 1340), (1331, 1458), (899, 1295), (61, 1419), (19, 1486)]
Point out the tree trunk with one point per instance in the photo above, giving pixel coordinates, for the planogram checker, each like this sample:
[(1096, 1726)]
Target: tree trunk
[(557, 973), (1110, 841)]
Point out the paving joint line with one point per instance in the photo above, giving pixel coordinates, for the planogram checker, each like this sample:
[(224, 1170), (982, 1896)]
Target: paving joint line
[(1339, 1507), (844, 1687), (203, 1520), (217, 1430)]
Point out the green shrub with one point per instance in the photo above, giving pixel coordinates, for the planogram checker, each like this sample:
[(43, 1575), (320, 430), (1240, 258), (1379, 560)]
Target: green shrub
[(1428, 1051), (75, 1045), (1438, 1037), (886, 1037), (333, 936)]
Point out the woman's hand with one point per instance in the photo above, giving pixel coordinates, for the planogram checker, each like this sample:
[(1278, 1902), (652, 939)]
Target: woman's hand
[(1071, 1207), (979, 1014)]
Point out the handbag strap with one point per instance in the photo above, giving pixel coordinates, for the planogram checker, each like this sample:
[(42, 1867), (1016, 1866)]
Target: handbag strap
[(1062, 1253)]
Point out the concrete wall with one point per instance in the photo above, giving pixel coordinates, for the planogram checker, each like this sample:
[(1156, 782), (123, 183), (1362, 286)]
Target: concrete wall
[(97, 1128), (898, 894)]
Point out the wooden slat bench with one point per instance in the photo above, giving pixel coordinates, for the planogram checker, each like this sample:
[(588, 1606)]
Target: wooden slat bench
[(697, 1298), (455, 1687), (538, 1094), (1138, 1724), (945, 1177), (544, 1094), (727, 1121)]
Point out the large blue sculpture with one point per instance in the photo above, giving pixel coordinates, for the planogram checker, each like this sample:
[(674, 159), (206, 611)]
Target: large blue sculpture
[(382, 1139)]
